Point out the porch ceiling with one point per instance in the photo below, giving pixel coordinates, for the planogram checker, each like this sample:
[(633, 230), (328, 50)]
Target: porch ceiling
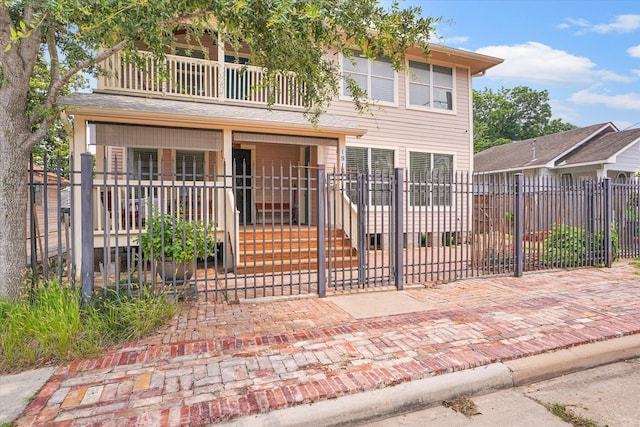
[(134, 109)]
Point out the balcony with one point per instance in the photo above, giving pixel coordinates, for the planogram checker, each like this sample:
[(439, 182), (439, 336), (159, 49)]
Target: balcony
[(200, 79)]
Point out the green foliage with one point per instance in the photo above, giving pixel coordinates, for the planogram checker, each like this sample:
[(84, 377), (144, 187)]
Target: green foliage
[(173, 237), (568, 416), (78, 36), (283, 36), (56, 141), (50, 324), (122, 317), (568, 246), (512, 115)]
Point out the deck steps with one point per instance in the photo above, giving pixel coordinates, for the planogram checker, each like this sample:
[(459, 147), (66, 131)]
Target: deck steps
[(291, 248)]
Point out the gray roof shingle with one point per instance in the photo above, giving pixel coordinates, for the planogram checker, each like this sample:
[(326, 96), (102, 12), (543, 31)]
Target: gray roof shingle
[(602, 147), (520, 154), (215, 112)]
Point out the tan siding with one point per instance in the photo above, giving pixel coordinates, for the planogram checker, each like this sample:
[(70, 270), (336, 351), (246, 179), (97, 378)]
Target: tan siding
[(402, 128)]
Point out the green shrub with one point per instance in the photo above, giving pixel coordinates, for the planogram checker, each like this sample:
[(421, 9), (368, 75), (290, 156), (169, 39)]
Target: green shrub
[(567, 246), (173, 237), (50, 324)]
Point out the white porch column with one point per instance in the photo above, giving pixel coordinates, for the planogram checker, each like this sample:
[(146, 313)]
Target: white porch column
[(78, 146), (222, 74), (342, 153), (227, 154)]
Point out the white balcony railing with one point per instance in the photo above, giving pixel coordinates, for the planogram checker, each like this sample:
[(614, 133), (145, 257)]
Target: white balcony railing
[(200, 79)]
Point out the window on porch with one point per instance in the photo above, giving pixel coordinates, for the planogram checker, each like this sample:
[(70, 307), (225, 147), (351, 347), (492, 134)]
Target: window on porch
[(190, 165), (143, 163)]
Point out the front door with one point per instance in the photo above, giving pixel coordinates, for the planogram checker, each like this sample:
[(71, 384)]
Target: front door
[(242, 174)]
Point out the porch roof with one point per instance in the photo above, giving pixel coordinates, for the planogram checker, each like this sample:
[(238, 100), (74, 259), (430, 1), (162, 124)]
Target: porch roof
[(134, 109)]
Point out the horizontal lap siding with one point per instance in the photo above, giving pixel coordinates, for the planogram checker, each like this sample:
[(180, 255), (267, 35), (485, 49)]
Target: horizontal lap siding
[(406, 129), (629, 159)]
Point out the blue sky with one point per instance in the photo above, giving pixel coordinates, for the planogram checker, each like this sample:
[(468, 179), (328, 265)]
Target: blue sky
[(586, 53)]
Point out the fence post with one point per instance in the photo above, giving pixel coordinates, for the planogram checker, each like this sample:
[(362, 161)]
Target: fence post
[(590, 227), (32, 221), (518, 251), (363, 243), (398, 199), (608, 220), (322, 254), (86, 207)]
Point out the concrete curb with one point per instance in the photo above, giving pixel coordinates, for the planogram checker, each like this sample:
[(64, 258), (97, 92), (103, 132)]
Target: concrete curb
[(17, 390), (549, 365), (414, 395)]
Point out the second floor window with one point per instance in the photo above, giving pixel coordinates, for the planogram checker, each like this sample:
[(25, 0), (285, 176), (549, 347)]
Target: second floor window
[(377, 77), (430, 86)]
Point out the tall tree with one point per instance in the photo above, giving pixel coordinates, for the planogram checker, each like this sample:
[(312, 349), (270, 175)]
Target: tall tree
[(512, 115), (284, 35)]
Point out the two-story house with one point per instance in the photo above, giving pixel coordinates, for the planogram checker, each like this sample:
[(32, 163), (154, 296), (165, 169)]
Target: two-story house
[(207, 126)]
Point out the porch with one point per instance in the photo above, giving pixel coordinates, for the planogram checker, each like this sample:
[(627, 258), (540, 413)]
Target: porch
[(204, 80)]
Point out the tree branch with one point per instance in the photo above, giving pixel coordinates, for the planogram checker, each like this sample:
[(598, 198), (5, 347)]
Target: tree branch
[(5, 28), (52, 46)]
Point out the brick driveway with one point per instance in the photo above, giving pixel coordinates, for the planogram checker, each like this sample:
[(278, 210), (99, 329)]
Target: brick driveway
[(217, 361)]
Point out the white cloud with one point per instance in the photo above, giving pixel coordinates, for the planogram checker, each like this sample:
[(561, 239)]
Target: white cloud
[(634, 51), (626, 101), (540, 63), (564, 112), (636, 72), (621, 24)]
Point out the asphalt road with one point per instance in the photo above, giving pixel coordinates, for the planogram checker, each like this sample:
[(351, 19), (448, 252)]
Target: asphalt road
[(607, 395)]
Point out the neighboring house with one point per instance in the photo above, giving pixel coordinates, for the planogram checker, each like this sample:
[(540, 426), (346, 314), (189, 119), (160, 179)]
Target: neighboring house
[(45, 212), (210, 115), (599, 150)]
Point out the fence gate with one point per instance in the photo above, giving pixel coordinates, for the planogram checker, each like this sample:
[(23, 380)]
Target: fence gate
[(361, 231)]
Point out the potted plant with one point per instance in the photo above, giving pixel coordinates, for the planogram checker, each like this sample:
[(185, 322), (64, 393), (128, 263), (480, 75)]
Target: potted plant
[(174, 244)]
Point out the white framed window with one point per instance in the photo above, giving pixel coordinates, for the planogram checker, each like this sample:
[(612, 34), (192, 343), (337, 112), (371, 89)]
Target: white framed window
[(190, 165), (143, 163), (430, 86), (430, 179), (378, 163), (376, 77)]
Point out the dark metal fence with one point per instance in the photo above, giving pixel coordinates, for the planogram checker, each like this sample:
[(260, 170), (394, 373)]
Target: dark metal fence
[(626, 214), (284, 230)]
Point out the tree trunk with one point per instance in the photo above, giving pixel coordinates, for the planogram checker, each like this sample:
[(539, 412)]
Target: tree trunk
[(14, 162)]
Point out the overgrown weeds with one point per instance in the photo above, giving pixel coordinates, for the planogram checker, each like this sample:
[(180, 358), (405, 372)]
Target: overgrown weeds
[(50, 324), (567, 415)]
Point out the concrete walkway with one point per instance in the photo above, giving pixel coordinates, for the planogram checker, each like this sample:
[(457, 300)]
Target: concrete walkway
[(242, 362)]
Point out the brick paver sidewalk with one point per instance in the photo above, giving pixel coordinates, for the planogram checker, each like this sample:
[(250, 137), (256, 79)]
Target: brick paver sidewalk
[(218, 361)]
